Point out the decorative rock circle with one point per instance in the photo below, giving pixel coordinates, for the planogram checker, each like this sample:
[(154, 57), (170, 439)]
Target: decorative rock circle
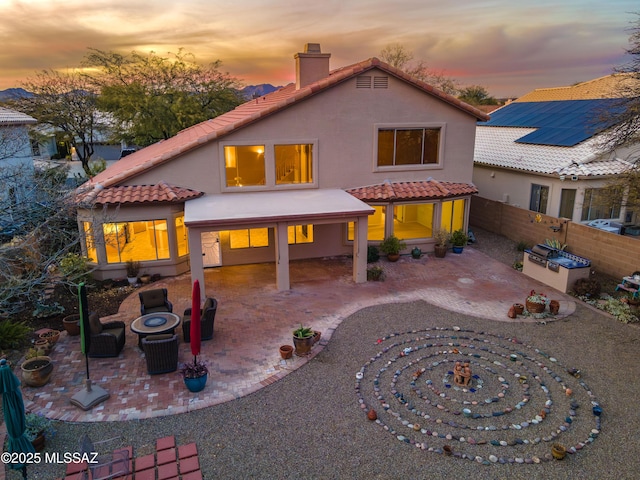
[(515, 408)]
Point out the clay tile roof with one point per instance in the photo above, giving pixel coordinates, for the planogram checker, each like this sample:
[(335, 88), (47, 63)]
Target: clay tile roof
[(138, 194), (11, 117), (252, 111), (424, 190)]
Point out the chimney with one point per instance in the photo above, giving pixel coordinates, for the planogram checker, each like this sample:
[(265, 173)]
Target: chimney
[(311, 66)]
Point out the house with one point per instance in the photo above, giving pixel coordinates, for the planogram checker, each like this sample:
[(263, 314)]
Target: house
[(16, 162), (320, 167), (541, 152)]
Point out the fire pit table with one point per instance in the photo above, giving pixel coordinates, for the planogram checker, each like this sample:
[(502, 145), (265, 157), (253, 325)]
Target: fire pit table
[(153, 324)]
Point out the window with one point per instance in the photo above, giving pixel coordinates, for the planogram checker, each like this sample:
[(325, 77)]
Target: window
[(600, 203), (90, 241), (539, 197), (300, 234), (294, 164), (146, 240), (567, 202), (182, 236), (452, 216), (375, 225), (413, 221), (244, 165), (408, 146), (252, 237)]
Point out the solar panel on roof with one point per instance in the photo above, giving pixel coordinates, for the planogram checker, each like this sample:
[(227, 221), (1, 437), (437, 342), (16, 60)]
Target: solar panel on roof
[(559, 123)]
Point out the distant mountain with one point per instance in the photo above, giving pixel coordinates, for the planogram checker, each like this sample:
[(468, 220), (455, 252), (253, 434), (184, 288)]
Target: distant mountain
[(252, 91), (14, 93)]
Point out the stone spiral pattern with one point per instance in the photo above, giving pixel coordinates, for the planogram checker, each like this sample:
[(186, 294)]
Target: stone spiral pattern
[(520, 402)]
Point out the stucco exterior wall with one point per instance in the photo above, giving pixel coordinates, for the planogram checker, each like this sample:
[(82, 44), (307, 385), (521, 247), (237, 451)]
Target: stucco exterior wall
[(343, 121)]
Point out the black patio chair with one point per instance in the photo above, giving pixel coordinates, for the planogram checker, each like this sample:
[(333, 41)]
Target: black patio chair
[(207, 317), (155, 300)]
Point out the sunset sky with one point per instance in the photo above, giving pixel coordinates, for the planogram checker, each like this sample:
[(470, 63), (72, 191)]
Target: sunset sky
[(508, 46)]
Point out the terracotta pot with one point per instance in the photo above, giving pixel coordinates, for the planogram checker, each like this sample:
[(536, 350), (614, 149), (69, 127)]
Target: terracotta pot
[(393, 257), (286, 351), (554, 307), (533, 307), (440, 251), (42, 346), (519, 308), (50, 336), (36, 371), (316, 336), (71, 324), (302, 345), (558, 451)]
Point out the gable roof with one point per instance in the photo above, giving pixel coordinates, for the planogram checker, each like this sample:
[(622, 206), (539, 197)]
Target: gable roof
[(11, 117), (252, 111), (422, 190), (557, 123)]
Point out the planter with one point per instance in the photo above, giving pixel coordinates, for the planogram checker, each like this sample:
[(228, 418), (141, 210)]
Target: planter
[(36, 371), (38, 442), (286, 351), (558, 451), (393, 257), (440, 251), (518, 308), (71, 324), (196, 384), (50, 336), (132, 280), (554, 307), (457, 249), (316, 336), (533, 307), (144, 279), (42, 346), (302, 345)]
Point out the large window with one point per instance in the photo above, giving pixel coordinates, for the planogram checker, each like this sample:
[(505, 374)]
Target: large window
[(293, 163), (600, 203), (182, 237), (146, 240), (408, 146), (452, 216), (539, 198), (244, 165), (413, 221), (252, 237), (300, 234), (375, 225), (89, 241)]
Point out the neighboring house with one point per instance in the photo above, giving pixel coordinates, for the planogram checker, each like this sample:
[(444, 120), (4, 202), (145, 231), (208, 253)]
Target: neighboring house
[(541, 152), (318, 168), (15, 157)]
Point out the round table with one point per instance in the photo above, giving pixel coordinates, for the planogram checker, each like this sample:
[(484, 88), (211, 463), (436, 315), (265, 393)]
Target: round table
[(154, 324)]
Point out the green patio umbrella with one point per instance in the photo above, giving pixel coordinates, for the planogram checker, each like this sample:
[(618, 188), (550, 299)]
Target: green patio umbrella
[(14, 416)]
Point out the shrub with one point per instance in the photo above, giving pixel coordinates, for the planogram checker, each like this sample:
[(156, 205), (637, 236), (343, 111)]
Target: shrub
[(373, 254), (459, 238), (522, 246), (74, 267), (392, 245), (13, 334), (587, 287)]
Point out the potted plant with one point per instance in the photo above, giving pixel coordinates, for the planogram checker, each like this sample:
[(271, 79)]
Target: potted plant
[(36, 369), (71, 324), (536, 302), (145, 278), (133, 268), (38, 429), (459, 239), (391, 246), (195, 375), (375, 273), (303, 340), (442, 237)]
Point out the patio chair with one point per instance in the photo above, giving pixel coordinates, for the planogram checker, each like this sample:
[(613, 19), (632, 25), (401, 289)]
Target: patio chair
[(207, 317), (114, 464), (155, 300), (161, 353), (107, 339)]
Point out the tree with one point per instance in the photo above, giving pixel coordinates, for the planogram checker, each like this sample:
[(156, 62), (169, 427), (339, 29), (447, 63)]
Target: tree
[(397, 56), (625, 132), (67, 103), (476, 95), (152, 98)]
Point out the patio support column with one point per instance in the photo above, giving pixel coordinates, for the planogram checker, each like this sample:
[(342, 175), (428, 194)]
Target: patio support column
[(195, 258), (282, 257), (360, 249)]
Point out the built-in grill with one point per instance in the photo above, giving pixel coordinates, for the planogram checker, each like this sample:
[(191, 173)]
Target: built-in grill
[(556, 268), (541, 253)]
